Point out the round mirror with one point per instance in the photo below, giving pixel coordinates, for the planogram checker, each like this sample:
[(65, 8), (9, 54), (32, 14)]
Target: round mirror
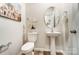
[(51, 18)]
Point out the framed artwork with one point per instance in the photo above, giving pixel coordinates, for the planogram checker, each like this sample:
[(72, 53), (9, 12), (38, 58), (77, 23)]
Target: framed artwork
[(11, 11)]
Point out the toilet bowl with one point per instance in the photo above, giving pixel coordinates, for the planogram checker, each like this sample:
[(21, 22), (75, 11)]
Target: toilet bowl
[(27, 48)]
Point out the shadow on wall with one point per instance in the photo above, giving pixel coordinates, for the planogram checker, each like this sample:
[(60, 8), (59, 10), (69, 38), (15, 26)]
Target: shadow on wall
[(4, 47)]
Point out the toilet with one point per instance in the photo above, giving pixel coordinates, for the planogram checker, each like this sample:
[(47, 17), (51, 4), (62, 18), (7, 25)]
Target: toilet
[(28, 47)]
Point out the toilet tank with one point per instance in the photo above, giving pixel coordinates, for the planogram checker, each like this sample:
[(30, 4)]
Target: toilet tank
[(32, 36)]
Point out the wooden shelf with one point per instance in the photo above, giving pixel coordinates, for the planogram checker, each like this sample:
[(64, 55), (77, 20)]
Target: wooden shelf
[(10, 18)]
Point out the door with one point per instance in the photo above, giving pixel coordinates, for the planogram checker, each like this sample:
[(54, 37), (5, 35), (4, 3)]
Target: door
[(74, 34)]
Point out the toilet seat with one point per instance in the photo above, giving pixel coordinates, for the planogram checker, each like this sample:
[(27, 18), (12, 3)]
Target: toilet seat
[(27, 47)]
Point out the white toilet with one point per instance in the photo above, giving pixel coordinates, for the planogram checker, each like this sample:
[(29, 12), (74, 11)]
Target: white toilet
[(28, 47)]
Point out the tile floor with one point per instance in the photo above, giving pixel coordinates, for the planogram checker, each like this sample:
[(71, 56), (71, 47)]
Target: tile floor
[(43, 53)]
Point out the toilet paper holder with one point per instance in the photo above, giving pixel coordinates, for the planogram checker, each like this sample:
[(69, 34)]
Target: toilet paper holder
[(73, 31)]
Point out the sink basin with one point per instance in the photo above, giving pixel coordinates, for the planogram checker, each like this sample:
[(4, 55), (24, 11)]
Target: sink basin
[(53, 34)]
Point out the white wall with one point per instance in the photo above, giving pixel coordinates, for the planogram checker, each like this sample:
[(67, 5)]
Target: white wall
[(24, 22), (11, 31), (37, 11)]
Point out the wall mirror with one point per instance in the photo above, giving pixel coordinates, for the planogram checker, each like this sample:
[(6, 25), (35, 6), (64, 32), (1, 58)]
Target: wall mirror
[(51, 17)]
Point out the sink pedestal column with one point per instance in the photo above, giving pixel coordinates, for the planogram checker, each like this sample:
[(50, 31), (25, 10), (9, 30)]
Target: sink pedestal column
[(52, 46), (52, 36)]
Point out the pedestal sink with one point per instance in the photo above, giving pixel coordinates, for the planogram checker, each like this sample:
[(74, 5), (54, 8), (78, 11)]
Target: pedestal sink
[(52, 36)]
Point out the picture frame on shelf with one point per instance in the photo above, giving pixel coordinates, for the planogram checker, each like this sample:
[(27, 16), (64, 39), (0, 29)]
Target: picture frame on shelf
[(11, 11)]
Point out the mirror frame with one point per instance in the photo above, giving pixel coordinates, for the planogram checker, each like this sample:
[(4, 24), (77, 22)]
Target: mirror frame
[(56, 22)]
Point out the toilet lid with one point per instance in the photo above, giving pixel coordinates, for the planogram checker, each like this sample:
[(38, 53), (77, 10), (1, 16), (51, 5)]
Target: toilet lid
[(28, 45)]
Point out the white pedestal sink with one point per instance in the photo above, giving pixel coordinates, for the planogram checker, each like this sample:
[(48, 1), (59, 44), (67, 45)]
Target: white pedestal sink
[(52, 36)]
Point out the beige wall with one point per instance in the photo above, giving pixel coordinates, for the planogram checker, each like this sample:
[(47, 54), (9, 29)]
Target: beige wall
[(37, 11)]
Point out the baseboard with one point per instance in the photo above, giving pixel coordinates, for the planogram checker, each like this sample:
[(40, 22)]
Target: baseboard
[(41, 49), (44, 51)]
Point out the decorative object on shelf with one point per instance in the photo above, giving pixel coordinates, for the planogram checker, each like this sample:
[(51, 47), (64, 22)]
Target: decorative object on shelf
[(10, 11), (32, 27), (32, 24)]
